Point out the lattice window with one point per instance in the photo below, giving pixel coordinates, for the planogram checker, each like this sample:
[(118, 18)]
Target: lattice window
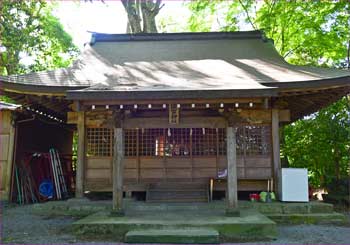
[(251, 140), (240, 139), (151, 142), (99, 142), (178, 142), (175, 142), (222, 141), (130, 142), (257, 140), (204, 141)]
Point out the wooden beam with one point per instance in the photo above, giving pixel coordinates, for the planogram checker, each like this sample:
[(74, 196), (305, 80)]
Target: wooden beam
[(79, 188), (72, 117), (231, 193), (118, 172), (185, 122), (276, 149), (172, 101)]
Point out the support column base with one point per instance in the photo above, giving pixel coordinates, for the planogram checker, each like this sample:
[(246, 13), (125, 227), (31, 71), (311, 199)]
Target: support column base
[(233, 212), (117, 213)]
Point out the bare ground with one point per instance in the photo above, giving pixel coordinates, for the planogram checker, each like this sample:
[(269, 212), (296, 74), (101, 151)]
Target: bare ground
[(21, 226)]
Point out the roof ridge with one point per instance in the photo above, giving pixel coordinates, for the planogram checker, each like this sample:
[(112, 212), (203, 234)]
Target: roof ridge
[(105, 37)]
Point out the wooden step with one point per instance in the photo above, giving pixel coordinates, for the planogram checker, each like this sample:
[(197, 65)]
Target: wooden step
[(190, 235), (178, 185), (180, 192), (178, 200)]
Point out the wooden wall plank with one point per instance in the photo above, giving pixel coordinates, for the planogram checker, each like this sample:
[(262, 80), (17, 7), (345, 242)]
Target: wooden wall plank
[(151, 163), (178, 162), (152, 174), (179, 174), (257, 173), (98, 174), (4, 146), (258, 161), (98, 163)]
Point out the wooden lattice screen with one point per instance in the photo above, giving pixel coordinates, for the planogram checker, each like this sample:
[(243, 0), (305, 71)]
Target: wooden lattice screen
[(251, 140), (99, 142)]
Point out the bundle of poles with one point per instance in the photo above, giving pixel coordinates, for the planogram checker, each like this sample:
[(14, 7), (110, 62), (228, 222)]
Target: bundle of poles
[(58, 177), (27, 191), (40, 177)]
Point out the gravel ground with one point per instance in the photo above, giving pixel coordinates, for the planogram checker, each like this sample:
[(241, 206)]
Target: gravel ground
[(21, 226)]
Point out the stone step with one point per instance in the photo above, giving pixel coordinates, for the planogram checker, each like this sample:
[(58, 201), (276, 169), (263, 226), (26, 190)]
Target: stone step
[(291, 208), (250, 226), (180, 236), (311, 218)]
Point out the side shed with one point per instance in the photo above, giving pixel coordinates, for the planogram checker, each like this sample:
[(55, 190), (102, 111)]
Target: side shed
[(25, 131), (7, 139)]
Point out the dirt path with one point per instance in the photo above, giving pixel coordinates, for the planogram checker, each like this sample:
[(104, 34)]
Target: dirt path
[(21, 226)]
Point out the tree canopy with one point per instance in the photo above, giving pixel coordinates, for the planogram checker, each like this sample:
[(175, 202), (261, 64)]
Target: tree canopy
[(28, 31), (304, 33)]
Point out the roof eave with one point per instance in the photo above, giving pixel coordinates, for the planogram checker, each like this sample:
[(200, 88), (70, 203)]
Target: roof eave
[(311, 84), (170, 95), (102, 37), (36, 89)]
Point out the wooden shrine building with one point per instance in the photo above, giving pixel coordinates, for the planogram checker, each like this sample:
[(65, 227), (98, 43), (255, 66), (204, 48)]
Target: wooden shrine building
[(159, 110)]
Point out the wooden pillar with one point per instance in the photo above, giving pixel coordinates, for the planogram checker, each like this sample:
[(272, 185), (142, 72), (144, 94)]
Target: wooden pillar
[(7, 141), (118, 172), (80, 168), (275, 149), (10, 161), (231, 193)]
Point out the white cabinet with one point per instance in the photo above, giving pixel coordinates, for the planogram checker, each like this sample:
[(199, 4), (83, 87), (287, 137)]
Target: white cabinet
[(294, 185)]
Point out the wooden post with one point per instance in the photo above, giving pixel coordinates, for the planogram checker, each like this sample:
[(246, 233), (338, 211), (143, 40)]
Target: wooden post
[(118, 171), (138, 156), (10, 161), (80, 168), (7, 141), (231, 193), (275, 149)]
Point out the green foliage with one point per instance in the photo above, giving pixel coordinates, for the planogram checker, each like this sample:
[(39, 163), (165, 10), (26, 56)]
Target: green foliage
[(321, 143), (7, 99), (207, 14), (27, 29), (305, 33)]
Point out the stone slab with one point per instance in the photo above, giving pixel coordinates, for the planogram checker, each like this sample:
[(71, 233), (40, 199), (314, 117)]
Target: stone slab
[(250, 226), (194, 236), (311, 218)]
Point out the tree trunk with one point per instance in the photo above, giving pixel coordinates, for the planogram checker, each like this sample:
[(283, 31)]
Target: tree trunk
[(149, 22), (149, 11), (144, 11), (348, 56), (133, 11)]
